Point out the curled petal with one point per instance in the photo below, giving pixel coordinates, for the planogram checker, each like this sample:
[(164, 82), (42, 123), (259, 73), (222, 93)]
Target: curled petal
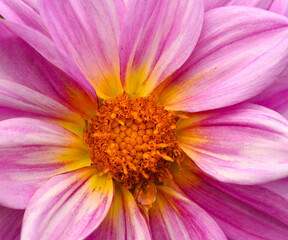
[(157, 38), (230, 63), (89, 32), (243, 212), (173, 216), (32, 151), (68, 206), (10, 222), (245, 144), (124, 220)]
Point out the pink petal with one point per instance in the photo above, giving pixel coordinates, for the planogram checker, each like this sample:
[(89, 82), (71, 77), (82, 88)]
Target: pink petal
[(89, 32), (20, 12), (20, 98), (32, 151), (68, 206), (277, 6), (124, 220), (279, 187), (230, 63), (10, 222), (21, 63), (243, 212), (173, 216), (244, 144), (46, 47), (157, 38), (32, 3), (266, 4), (280, 7), (275, 97)]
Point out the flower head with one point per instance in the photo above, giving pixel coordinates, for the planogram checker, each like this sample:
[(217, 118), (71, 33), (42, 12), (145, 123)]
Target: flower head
[(125, 120)]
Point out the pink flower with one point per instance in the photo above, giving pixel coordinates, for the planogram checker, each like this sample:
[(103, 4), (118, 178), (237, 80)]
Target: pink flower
[(167, 149)]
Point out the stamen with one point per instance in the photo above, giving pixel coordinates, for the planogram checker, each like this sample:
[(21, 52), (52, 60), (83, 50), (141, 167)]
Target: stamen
[(133, 140)]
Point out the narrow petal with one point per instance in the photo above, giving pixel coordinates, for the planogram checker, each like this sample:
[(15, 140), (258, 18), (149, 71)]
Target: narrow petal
[(210, 4), (244, 144), (89, 32), (243, 212), (20, 12), (157, 38), (124, 220), (32, 151), (10, 222), (275, 97), (173, 216), (21, 63), (68, 206), (230, 63)]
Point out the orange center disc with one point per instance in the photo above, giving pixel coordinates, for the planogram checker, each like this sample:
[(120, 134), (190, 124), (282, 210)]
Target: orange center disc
[(133, 140)]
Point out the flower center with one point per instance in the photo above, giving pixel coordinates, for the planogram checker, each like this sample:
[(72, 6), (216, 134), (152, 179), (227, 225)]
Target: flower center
[(133, 140)]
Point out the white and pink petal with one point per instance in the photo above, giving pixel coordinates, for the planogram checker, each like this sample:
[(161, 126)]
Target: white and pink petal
[(156, 39), (89, 32), (123, 221), (68, 206), (173, 216), (241, 51), (31, 152), (244, 144), (243, 212)]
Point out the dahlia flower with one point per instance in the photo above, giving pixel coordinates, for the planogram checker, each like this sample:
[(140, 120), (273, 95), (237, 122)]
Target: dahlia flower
[(131, 120)]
